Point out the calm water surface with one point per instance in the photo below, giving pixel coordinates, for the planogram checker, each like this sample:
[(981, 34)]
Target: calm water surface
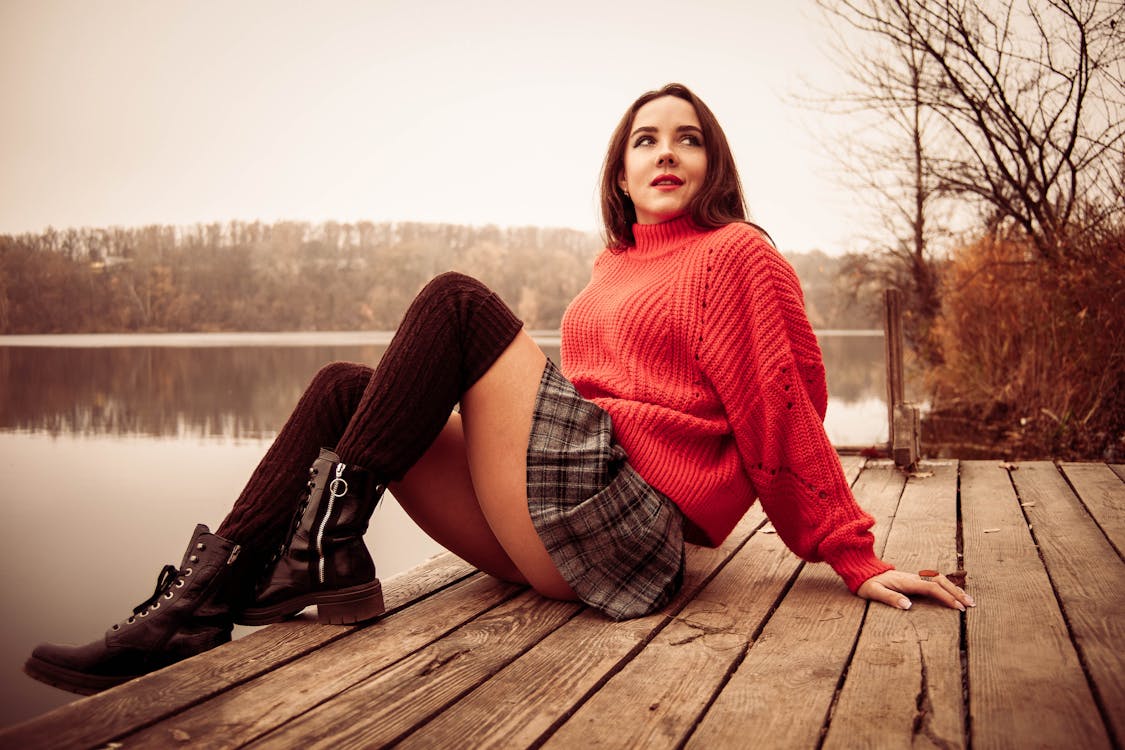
[(114, 447)]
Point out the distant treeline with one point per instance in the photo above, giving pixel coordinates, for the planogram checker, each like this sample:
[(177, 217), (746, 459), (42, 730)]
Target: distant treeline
[(294, 276)]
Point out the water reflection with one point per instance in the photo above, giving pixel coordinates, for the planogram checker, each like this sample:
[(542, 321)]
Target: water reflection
[(248, 391), (234, 392)]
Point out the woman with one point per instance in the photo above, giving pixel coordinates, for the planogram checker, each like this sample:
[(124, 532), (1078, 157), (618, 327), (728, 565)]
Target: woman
[(693, 384)]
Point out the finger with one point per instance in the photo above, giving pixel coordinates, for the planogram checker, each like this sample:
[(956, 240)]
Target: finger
[(959, 598), (936, 587), (955, 591), (877, 592)]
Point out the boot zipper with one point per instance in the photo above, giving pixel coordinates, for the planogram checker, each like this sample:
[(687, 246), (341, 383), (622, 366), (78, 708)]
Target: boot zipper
[(338, 487)]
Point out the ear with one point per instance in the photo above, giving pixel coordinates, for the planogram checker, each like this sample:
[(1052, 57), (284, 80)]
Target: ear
[(622, 183)]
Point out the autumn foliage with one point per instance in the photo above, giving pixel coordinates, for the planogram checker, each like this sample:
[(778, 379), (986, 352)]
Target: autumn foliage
[(1034, 351)]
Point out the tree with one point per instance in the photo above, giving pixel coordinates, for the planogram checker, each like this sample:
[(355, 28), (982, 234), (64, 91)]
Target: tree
[(886, 157), (1020, 104)]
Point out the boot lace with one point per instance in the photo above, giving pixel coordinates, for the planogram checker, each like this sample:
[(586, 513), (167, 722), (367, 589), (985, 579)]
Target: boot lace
[(164, 581), (170, 577)]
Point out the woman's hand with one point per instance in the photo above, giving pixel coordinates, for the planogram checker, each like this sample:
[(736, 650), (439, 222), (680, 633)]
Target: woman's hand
[(888, 587)]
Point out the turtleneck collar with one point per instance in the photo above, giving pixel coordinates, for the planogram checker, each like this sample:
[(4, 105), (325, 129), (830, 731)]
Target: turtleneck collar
[(657, 239)]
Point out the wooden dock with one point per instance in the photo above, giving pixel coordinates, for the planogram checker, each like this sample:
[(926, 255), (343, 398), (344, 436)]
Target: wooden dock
[(759, 650)]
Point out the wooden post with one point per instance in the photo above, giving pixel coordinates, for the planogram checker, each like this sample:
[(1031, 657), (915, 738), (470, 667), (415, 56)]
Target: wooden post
[(902, 417)]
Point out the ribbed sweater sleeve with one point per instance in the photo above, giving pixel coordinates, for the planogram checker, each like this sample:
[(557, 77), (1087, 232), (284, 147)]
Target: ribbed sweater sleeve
[(759, 351)]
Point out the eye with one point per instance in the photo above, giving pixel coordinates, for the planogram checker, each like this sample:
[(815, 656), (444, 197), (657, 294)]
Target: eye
[(690, 139), (644, 140)]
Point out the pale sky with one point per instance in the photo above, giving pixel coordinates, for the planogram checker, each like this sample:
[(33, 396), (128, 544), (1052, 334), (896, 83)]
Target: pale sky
[(493, 112)]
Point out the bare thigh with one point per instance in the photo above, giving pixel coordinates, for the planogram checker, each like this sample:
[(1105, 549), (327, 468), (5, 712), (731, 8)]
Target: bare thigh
[(438, 494), (496, 413)]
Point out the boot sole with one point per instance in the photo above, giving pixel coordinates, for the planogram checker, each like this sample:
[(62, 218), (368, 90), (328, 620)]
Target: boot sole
[(339, 607), (69, 680)]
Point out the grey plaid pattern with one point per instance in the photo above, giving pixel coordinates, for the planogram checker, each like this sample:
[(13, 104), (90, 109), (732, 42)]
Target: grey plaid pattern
[(617, 541)]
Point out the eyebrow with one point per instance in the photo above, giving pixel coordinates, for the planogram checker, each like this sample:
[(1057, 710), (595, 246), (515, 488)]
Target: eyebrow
[(680, 129)]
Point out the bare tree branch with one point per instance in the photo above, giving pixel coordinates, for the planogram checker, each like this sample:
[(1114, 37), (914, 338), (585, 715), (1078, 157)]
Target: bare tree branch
[(1018, 106)]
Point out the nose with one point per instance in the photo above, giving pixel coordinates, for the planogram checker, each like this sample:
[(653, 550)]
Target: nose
[(666, 159)]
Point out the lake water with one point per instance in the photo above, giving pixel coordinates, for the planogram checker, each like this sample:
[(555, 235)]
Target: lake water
[(114, 446)]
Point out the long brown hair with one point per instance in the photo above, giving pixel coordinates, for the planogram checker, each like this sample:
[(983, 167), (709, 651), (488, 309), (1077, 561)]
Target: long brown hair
[(718, 202)]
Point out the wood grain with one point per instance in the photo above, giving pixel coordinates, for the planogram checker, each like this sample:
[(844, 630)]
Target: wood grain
[(903, 688), (656, 698), (553, 678), (757, 650), (249, 711), (784, 687), (98, 719), (376, 711), (1088, 576), (1026, 686), (1103, 494)]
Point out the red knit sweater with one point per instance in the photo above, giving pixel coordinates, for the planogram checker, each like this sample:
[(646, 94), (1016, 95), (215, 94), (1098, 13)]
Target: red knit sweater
[(698, 346)]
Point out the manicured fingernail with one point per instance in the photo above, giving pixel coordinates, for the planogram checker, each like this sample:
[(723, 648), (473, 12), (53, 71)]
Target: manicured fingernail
[(960, 606), (904, 603), (969, 601)]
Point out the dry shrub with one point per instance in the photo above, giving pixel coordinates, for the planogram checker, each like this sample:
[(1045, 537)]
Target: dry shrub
[(1034, 352)]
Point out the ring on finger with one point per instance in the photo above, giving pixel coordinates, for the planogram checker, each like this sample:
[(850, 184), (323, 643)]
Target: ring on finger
[(928, 575)]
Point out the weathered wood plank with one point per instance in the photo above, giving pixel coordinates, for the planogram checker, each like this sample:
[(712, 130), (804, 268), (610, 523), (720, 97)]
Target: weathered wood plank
[(657, 697), (1103, 493), (254, 709), (1088, 576), (1026, 686), (97, 719), (903, 688), (519, 706), (1119, 470), (375, 712), (522, 674), (852, 465), (784, 687)]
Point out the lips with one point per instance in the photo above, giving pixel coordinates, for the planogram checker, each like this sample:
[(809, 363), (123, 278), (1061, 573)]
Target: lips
[(666, 180)]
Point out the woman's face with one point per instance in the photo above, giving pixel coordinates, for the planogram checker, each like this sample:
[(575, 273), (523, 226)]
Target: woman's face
[(665, 160)]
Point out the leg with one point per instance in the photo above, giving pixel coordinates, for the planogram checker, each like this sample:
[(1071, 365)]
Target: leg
[(454, 332), (497, 412), (459, 342), (469, 490), (438, 494), (191, 609), (385, 419), (320, 418)]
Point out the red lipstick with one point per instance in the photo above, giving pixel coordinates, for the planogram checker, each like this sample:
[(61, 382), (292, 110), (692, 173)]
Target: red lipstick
[(666, 180)]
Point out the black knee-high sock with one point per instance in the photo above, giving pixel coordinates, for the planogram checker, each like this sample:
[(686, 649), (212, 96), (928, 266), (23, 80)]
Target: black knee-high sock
[(450, 336), (382, 419), (264, 510)]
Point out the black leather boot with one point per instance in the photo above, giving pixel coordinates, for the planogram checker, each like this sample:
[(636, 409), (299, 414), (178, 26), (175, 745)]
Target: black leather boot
[(324, 561), (186, 615)]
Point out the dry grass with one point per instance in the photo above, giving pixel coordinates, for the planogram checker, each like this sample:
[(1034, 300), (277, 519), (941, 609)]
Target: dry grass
[(1034, 352)]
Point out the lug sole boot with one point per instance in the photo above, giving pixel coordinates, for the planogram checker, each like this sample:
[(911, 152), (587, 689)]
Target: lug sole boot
[(324, 561), (186, 615)]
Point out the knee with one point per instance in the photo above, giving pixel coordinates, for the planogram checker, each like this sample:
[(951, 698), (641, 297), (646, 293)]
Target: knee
[(336, 376), (453, 285)]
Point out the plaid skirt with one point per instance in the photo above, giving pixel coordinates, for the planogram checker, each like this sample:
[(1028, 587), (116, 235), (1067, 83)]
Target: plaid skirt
[(617, 541)]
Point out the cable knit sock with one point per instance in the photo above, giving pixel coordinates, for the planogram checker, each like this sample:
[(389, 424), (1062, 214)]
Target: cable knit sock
[(263, 512), (451, 334), (382, 419)]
